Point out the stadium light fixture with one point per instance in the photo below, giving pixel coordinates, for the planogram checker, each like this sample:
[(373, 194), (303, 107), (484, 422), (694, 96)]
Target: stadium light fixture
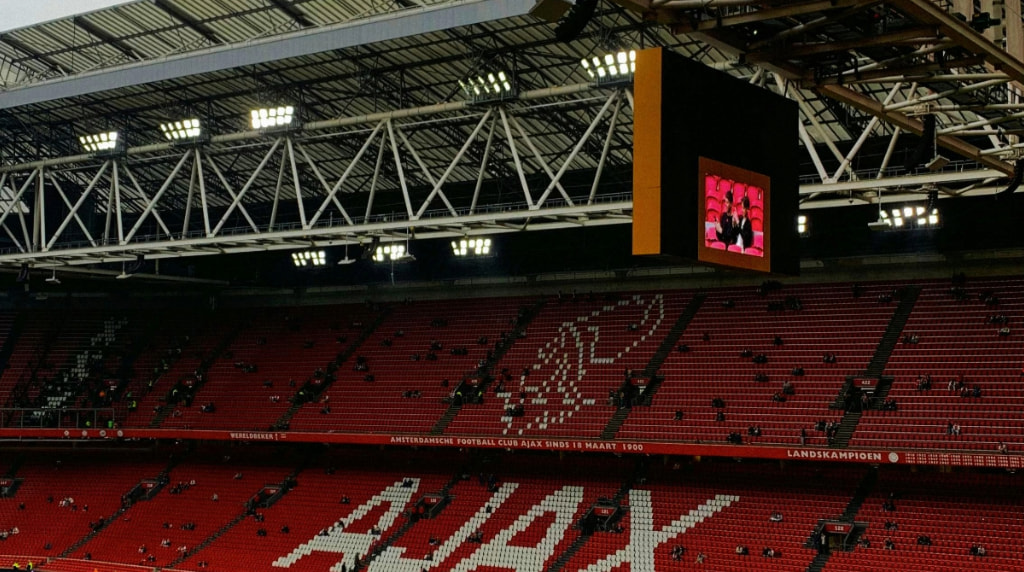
[(309, 258), (184, 130), (472, 247), (496, 85), (907, 217), (107, 142), (393, 253), (611, 68), (802, 226), (273, 117)]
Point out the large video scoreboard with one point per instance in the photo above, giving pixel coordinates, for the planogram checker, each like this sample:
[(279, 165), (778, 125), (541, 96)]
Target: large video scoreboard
[(714, 167)]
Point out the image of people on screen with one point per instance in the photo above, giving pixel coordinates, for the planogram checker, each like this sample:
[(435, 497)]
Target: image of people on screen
[(734, 216)]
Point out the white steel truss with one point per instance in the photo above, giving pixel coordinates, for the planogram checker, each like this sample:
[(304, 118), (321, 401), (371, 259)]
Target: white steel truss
[(387, 177), (174, 201)]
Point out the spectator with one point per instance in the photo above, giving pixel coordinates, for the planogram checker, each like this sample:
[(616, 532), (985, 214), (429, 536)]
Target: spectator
[(787, 388), (1002, 449), (777, 341), (889, 544), (775, 517), (778, 397), (700, 558), (924, 540), (720, 416), (742, 550), (679, 415)]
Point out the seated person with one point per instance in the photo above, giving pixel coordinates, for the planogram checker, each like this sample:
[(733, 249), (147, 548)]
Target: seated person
[(924, 540), (742, 550), (775, 517), (889, 544)]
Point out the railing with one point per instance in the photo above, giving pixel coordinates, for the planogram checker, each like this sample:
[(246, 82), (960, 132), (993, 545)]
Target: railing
[(47, 417)]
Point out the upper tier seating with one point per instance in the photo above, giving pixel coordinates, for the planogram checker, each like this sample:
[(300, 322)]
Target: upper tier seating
[(575, 353), (286, 346), (357, 405), (831, 321), (955, 337), (565, 369)]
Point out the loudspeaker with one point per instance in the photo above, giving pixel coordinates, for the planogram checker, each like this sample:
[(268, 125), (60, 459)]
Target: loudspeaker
[(574, 22)]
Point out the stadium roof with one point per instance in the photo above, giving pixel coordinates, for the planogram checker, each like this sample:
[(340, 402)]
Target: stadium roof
[(387, 126)]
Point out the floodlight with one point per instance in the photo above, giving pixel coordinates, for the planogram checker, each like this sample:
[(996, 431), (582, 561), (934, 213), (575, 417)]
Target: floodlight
[(272, 117), (493, 85), (107, 141), (618, 66), (183, 130), (472, 247), (908, 212), (308, 258), (898, 221), (391, 253), (933, 219)]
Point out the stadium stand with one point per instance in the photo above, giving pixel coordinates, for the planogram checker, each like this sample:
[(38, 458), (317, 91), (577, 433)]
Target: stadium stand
[(572, 359), (957, 339), (410, 330), (392, 508), (829, 321)]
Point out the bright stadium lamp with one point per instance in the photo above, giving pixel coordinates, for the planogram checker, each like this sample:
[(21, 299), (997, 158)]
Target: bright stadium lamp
[(309, 258), (184, 130), (281, 117), (489, 86), (611, 68), (471, 247), (107, 142)]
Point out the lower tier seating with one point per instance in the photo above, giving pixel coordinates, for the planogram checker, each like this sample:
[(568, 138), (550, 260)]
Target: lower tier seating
[(495, 509)]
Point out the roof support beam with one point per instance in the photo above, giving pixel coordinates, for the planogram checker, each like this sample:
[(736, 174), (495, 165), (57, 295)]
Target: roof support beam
[(33, 54), (185, 18), (292, 12), (914, 35), (963, 35), (296, 44), (788, 11), (106, 37), (874, 107)]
